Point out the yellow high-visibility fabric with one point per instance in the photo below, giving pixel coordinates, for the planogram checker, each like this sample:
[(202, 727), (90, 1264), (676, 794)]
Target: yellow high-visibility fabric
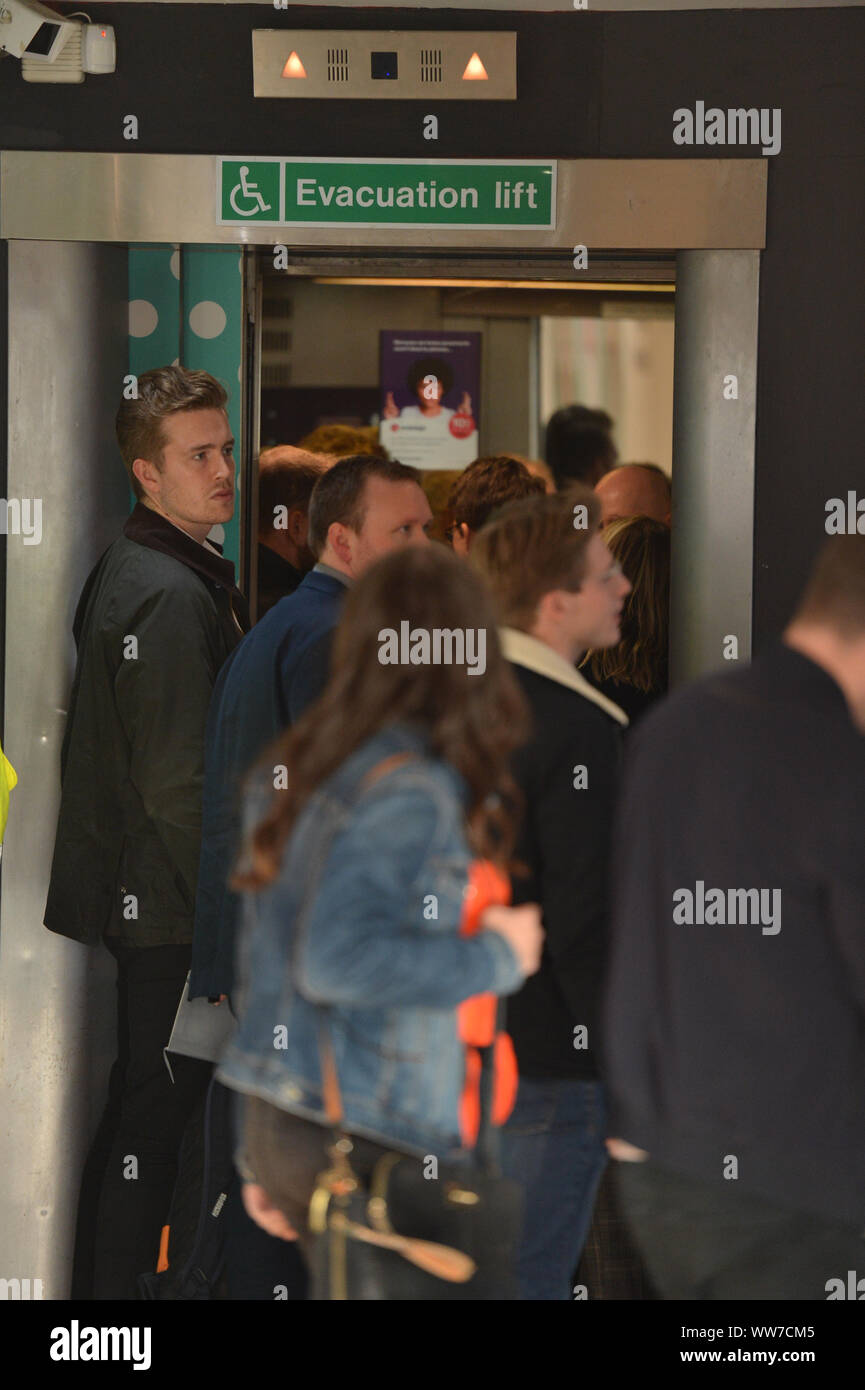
[(8, 778)]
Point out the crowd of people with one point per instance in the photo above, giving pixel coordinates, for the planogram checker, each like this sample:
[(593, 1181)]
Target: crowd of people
[(546, 983)]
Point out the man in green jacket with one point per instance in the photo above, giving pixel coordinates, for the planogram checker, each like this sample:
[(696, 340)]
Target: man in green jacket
[(157, 618)]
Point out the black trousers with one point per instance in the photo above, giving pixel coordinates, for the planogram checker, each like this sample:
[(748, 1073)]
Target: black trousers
[(710, 1241), (132, 1165)]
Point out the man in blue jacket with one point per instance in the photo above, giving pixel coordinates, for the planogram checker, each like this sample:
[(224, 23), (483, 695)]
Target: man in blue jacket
[(736, 1013), (361, 508)]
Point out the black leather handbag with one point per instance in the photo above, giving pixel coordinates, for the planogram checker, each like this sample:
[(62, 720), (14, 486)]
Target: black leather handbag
[(416, 1229)]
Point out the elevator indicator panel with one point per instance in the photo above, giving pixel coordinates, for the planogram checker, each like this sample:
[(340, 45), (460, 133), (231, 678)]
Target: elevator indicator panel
[(385, 64)]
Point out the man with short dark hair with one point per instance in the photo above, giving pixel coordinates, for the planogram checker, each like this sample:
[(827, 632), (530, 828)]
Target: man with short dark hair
[(736, 1010), (361, 508), (157, 618), (480, 489), (579, 445), (559, 592), (286, 478)]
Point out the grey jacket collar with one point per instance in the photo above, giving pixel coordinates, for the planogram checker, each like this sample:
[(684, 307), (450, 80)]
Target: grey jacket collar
[(322, 568), (534, 655)]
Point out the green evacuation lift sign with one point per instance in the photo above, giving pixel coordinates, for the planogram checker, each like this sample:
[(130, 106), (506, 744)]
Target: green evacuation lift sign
[(386, 193)]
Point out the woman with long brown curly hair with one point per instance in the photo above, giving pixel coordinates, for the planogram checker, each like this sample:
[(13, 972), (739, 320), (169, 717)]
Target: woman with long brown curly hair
[(360, 831)]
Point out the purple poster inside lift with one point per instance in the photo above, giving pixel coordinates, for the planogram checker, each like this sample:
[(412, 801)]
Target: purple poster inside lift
[(430, 385)]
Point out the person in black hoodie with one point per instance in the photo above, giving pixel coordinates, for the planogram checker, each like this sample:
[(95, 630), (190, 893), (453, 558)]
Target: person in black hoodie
[(559, 592), (735, 1025)]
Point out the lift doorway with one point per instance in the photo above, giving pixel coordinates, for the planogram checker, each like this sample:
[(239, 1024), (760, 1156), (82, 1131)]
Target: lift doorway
[(541, 336)]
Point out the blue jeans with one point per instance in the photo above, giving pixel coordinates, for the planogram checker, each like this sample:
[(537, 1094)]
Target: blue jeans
[(553, 1144)]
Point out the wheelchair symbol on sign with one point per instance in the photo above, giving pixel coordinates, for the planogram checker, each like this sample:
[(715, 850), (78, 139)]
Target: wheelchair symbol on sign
[(247, 190)]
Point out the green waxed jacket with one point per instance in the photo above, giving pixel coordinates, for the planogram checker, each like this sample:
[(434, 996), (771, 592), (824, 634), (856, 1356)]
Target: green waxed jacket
[(157, 618)]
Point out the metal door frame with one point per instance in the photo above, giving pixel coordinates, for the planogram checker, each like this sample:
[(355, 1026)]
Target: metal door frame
[(56, 288)]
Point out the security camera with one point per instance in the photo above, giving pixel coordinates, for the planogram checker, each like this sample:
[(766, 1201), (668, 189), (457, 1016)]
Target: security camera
[(28, 28)]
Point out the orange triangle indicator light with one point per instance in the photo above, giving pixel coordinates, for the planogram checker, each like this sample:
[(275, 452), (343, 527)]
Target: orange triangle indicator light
[(294, 67), (475, 70)]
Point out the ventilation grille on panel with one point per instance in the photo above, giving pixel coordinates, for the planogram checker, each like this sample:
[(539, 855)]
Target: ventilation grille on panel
[(430, 65), (276, 340), (276, 307), (276, 374), (337, 65), (276, 336)]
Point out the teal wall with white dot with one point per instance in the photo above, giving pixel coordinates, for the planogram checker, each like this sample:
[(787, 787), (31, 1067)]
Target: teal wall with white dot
[(186, 307)]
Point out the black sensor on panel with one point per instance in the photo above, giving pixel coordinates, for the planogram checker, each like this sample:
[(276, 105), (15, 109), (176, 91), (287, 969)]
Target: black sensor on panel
[(384, 65)]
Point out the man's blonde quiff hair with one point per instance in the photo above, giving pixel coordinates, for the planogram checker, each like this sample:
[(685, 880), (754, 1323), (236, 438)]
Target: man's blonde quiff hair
[(534, 546), (161, 392)]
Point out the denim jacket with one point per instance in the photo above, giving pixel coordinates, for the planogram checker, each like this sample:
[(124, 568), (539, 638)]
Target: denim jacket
[(361, 930)]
